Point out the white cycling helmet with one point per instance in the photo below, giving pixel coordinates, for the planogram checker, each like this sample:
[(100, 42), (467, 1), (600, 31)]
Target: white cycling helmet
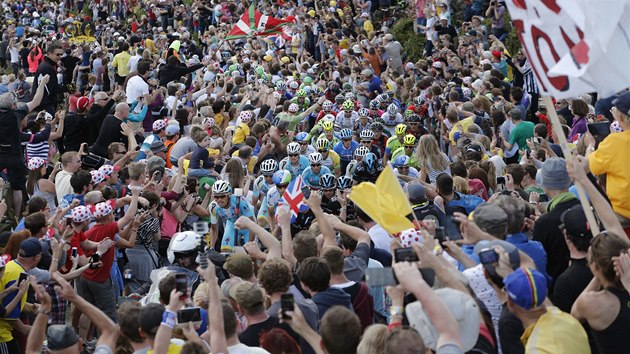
[(392, 109), (315, 158), (361, 151), (327, 105), (293, 148), (268, 167), (221, 187), (366, 134)]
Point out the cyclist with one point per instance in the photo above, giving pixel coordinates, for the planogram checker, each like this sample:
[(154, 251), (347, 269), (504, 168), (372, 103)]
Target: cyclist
[(229, 208), (345, 149), (368, 169), (262, 184), (375, 109), (403, 171), (409, 143), (311, 175), (330, 158), (301, 100), (367, 137), (305, 148), (281, 180), (347, 117), (294, 163), (395, 142), (392, 118), (359, 153), (363, 123), (328, 128)]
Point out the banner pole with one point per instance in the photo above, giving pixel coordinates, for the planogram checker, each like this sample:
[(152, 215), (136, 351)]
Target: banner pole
[(562, 140)]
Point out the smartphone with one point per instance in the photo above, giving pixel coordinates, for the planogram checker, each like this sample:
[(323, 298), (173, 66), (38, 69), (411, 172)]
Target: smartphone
[(440, 234), (157, 176), (68, 221), (95, 258), (191, 314), (405, 255), (488, 256), (181, 284), (306, 190), (23, 276), (75, 252), (528, 154), (287, 303), (377, 277), (501, 180)]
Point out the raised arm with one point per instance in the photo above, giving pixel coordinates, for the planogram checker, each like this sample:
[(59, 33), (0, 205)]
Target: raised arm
[(39, 94), (264, 236), (284, 220), (38, 330), (315, 203), (411, 280), (106, 327), (131, 212)]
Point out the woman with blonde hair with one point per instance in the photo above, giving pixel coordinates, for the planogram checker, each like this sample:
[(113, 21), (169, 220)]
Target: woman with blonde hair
[(373, 340), (434, 162), (460, 185)]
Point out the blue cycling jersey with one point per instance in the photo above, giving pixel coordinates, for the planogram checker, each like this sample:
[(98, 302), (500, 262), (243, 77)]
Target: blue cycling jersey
[(311, 178), (230, 215), (299, 168), (345, 154), (260, 187)]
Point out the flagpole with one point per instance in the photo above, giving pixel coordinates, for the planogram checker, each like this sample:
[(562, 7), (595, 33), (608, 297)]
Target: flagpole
[(562, 140)]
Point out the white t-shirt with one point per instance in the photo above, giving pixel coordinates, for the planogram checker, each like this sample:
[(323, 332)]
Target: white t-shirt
[(133, 63), (62, 184), (136, 87), (243, 349), (380, 237)]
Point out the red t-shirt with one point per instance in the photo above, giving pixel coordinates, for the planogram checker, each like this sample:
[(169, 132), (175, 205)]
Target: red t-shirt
[(75, 241), (478, 188), (98, 233)]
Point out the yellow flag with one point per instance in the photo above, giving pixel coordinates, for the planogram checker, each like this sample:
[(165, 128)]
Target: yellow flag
[(384, 202)]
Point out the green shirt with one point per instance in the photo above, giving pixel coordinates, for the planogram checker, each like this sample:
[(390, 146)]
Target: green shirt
[(293, 119), (413, 159), (519, 135)]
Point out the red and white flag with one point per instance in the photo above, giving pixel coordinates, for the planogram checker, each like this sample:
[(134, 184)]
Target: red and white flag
[(575, 46), (254, 23)]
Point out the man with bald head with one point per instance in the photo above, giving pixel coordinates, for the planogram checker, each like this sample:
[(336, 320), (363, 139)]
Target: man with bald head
[(100, 108), (111, 130)]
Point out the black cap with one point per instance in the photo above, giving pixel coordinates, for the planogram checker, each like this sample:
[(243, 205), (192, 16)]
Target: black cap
[(575, 222)]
